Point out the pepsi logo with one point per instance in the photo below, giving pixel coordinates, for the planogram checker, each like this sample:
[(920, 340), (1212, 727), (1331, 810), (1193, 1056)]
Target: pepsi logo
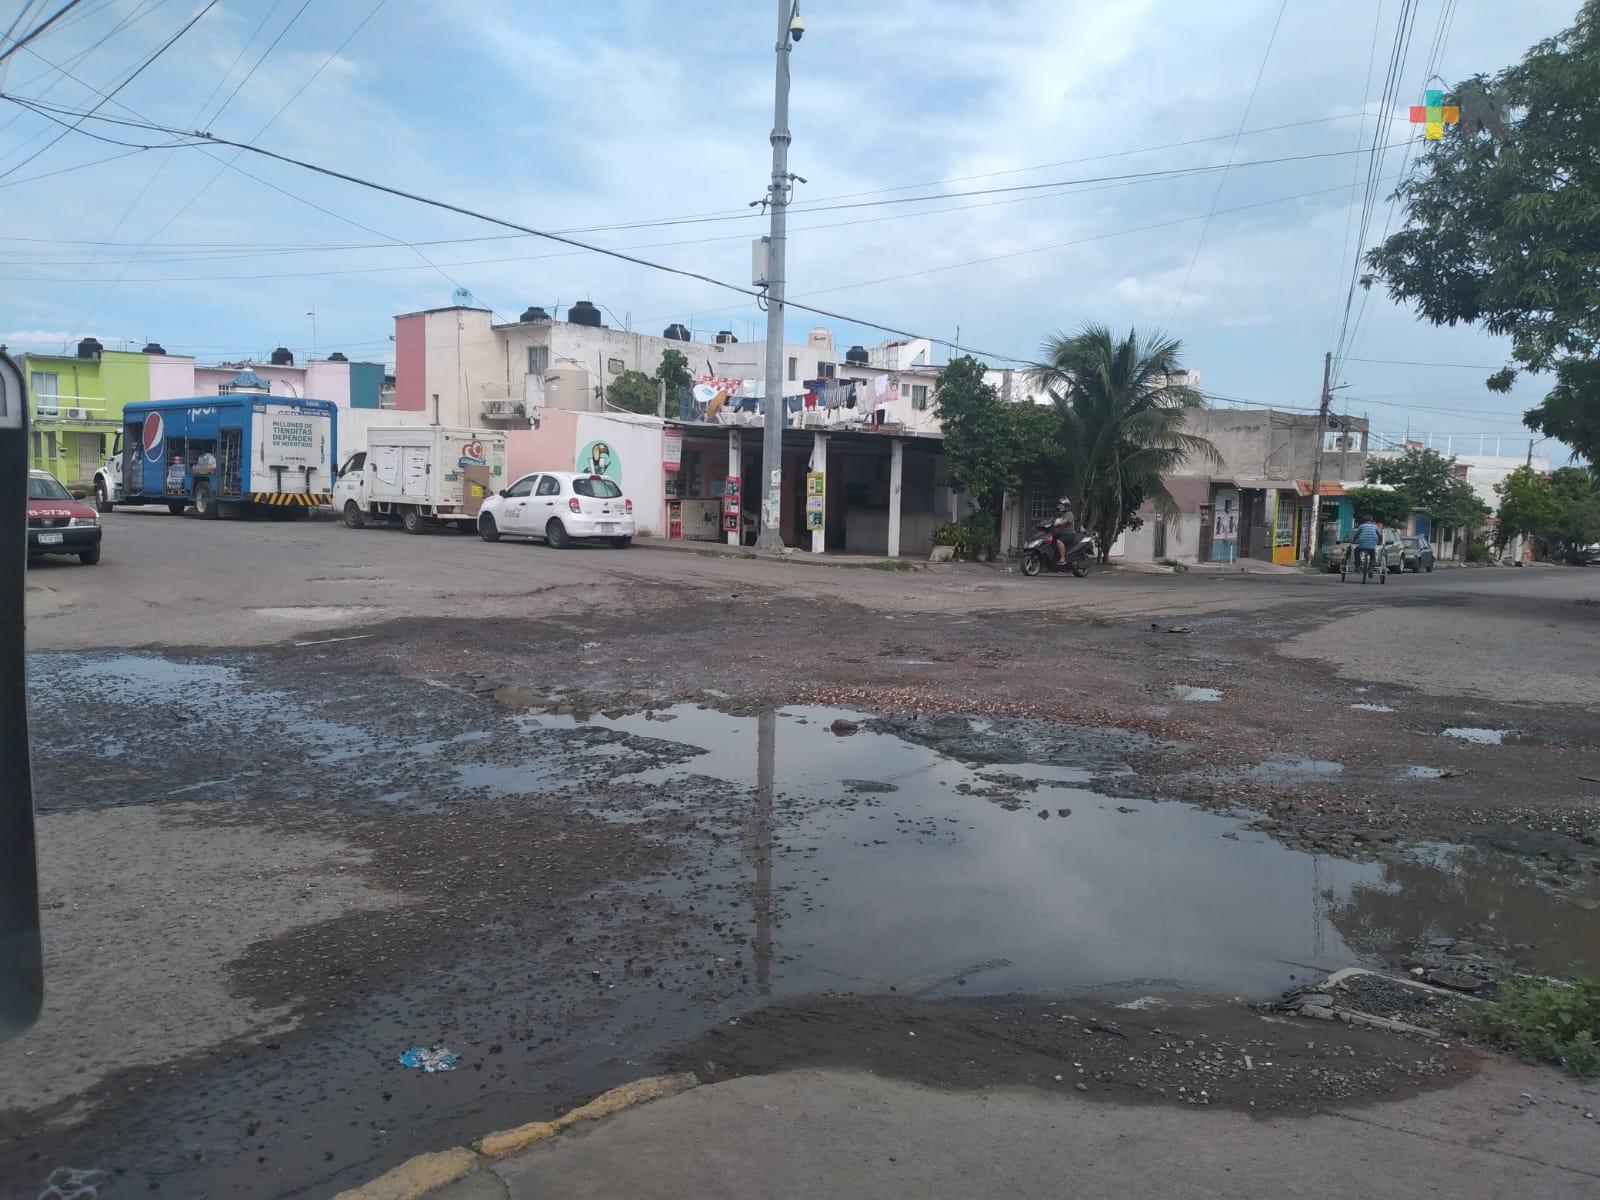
[(152, 436)]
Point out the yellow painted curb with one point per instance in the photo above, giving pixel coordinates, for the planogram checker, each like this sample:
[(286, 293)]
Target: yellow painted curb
[(618, 1099), (415, 1177)]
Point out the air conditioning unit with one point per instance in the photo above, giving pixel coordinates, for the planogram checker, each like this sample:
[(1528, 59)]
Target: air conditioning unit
[(503, 408), (75, 414)]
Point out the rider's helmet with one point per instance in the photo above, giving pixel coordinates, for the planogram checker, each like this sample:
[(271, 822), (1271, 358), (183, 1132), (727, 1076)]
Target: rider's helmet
[(1063, 505)]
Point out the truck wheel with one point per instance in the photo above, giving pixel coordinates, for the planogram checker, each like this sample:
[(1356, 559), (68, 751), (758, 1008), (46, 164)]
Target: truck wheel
[(556, 534), (487, 529), (175, 507), (205, 504), (90, 556), (353, 516), (412, 520), (102, 501)]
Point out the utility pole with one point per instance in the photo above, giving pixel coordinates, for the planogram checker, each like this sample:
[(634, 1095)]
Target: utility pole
[(790, 27), (1313, 534)]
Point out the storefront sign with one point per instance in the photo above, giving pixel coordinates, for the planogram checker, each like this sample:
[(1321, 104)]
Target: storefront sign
[(672, 449), (814, 483)]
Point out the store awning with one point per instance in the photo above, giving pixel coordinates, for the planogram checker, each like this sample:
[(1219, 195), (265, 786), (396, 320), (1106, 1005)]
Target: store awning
[(1330, 487)]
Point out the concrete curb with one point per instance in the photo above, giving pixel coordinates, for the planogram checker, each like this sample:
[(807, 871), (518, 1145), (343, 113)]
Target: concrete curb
[(418, 1176)]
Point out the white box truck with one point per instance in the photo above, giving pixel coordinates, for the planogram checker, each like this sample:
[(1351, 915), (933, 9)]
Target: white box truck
[(423, 476)]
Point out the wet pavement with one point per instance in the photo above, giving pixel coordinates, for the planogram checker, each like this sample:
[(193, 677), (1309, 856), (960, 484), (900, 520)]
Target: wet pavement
[(560, 891)]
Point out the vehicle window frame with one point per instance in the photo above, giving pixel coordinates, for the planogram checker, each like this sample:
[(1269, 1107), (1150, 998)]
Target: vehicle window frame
[(530, 480), (350, 463), (554, 488), (47, 481), (592, 481)]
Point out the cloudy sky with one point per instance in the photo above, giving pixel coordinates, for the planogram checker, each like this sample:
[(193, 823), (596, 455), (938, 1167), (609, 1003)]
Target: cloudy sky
[(567, 116)]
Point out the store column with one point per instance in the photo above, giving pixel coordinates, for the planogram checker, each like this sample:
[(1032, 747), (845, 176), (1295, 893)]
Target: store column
[(735, 470), (896, 473), (817, 493)]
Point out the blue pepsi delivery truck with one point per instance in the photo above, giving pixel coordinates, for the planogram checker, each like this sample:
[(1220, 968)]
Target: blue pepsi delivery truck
[(246, 451)]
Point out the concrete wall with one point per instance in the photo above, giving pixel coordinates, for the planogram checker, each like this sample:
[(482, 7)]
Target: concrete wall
[(171, 377), (866, 531), (353, 424), (634, 444), (1268, 444), (410, 361), (366, 384), (550, 447), (321, 380)]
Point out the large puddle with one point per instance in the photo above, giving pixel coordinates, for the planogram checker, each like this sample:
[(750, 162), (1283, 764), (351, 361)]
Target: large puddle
[(928, 855), (867, 861)]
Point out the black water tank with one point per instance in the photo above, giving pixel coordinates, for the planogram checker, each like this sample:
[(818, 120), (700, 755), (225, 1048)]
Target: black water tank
[(337, 356), (90, 348), (282, 358), (585, 313), (533, 313), (153, 348), (726, 338), (677, 333), (856, 356)]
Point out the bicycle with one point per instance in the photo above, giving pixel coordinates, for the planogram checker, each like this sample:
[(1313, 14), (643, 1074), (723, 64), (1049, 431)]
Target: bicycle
[(1369, 565)]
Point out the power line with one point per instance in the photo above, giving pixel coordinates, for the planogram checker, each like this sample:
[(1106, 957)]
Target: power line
[(37, 29), (139, 70), (1402, 362), (1232, 149)]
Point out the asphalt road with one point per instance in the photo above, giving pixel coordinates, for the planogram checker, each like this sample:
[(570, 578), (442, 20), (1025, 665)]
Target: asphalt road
[(310, 795)]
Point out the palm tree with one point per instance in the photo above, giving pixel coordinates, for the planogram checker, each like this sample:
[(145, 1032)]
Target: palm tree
[(1121, 405)]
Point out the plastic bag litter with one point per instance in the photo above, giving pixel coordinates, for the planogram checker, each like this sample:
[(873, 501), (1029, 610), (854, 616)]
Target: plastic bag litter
[(424, 1058), (74, 1183)]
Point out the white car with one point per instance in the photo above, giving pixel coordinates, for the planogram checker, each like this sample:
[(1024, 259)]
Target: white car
[(561, 507)]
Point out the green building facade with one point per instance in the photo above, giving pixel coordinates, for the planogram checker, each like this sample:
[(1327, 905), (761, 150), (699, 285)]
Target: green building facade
[(75, 408)]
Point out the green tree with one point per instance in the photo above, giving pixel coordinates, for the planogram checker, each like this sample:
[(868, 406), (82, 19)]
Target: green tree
[(988, 441), (633, 391), (1460, 507), (1426, 474), (1501, 224), (1385, 505), (1120, 411), (673, 370), (1528, 506), (1577, 524)]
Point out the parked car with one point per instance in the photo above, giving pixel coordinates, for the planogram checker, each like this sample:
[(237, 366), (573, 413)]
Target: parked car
[(1391, 552), (561, 507), (1416, 554), (1588, 556), (60, 522)]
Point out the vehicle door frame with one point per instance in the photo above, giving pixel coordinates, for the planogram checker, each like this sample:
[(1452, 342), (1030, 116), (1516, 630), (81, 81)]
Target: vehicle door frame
[(512, 514), (547, 503)]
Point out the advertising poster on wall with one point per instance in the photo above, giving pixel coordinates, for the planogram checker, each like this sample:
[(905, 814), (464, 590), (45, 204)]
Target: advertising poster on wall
[(598, 458), (672, 449)]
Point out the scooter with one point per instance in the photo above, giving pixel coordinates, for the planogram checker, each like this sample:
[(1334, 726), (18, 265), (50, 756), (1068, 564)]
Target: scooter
[(1039, 554)]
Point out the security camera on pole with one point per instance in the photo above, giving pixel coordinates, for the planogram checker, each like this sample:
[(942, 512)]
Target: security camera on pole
[(790, 28)]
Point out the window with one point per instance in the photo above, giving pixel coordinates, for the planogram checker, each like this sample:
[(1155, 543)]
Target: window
[(355, 462), (616, 366), (38, 444), (548, 486), (538, 360), (905, 390), (596, 489), (826, 370), (919, 396), (46, 489), (794, 363), (50, 442), (46, 388), (101, 438), (522, 487)]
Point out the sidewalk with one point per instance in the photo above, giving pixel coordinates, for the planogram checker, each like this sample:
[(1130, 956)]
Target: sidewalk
[(791, 554), (1510, 1131)]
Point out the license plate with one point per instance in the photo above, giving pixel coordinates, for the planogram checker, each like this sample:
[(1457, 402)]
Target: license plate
[(50, 539), (608, 526)]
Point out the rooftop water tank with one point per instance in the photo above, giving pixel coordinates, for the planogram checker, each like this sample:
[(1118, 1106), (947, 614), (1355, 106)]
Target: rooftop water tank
[(856, 356), (585, 313), (282, 358), (726, 338), (533, 313), (337, 356), (90, 348), (677, 333), (152, 348)]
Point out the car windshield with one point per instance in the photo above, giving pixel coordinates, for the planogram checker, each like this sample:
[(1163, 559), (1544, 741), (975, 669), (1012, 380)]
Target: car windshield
[(42, 487), (596, 488), (1409, 543)]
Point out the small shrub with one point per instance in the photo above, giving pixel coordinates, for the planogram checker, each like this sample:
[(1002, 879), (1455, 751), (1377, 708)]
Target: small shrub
[(1545, 1021), (980, 528), (1479, 552), (954, 534)]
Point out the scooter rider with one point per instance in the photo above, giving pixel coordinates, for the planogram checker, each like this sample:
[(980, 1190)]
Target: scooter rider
[(1062, 525)]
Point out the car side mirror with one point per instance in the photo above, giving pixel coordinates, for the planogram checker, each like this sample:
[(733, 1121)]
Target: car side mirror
[(80, 494), (503, 493)]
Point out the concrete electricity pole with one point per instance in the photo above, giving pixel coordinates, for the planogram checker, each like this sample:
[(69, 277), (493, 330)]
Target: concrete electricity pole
[(1313, 533), (790, 27)]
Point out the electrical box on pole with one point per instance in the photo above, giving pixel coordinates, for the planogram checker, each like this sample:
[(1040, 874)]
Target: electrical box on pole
[(760, 256)]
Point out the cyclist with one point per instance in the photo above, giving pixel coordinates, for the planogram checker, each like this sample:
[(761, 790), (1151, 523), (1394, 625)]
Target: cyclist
[(1365, 539)]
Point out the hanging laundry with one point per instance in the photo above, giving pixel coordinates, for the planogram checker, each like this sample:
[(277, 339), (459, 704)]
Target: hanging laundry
[(880, 387), (850, 394)]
